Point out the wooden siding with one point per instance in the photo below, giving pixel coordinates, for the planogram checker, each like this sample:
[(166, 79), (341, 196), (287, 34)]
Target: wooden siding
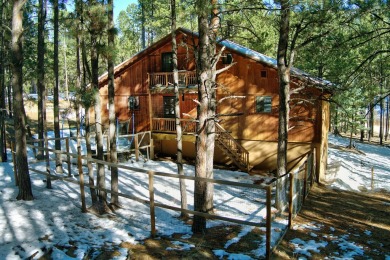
[(238, 86)]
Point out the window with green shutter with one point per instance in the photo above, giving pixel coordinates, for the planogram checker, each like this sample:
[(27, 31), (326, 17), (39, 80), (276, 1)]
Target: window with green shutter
[(263, 104)]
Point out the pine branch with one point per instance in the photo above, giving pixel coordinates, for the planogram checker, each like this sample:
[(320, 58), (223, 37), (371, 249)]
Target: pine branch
[(229, 97), (225, 68)]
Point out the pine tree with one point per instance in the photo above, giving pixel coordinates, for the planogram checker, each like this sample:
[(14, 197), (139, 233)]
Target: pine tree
[(24, 182)]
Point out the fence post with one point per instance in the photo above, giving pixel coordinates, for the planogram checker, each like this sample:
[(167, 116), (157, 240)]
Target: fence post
[(136, 146), (68, 157), (305, 184), (14, 162), (268, 224), (290, 199), (151, 146), (81, 176), (47, 157), (151, 204)]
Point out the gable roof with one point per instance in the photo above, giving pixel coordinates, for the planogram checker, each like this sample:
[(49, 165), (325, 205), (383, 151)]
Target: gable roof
[(229, 45)]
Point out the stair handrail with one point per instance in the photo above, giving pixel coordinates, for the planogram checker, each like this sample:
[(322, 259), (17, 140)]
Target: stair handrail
[(244, 154)]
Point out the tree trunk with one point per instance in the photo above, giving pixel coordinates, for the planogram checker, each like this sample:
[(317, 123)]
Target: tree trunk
[(143, 31), (371, 122), (381, 115), (111, 104), (56, 88), (41, 74), (66, 73), (85, 70), (205, 127), (101, 182), (10, 99), (387, 117), (284, 97), (24, 182), (179, 132), (3, 143)]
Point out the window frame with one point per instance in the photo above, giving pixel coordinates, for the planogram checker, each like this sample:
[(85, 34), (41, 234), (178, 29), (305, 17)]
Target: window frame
[(263, 104), (169, 106), (167, 56)]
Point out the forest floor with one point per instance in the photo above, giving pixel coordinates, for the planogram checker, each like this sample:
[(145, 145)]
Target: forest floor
[(362, 217), (359, 218)]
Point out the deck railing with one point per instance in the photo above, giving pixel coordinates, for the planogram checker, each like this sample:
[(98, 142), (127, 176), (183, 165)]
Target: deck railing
[(186, 78), (169, 125)]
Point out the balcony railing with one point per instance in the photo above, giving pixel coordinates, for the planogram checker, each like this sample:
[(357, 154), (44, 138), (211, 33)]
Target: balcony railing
[(168, 125), (159, 79)]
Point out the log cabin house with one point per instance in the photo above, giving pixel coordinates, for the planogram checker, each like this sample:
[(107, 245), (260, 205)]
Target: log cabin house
[(247, 132)]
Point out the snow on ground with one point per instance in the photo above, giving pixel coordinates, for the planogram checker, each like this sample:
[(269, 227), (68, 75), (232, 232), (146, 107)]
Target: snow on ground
[(53, 220), (351, 171)]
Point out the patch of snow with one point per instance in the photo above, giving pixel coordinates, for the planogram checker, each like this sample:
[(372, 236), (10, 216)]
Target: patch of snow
[(350, 249), (368, 232), (304, 247), (222, 254), (180, 246)]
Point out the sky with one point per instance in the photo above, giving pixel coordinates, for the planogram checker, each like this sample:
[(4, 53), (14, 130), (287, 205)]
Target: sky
[(121, 5)]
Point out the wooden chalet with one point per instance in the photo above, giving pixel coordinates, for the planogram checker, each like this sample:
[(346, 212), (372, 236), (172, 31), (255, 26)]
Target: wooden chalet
[(248, 129)]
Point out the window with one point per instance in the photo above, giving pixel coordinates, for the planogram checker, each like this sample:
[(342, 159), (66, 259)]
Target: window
[(169, 107), (263, 73), (166, 62), (263, 104), (227, 59)]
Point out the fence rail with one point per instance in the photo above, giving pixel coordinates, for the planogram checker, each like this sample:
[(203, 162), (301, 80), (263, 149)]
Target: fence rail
[(304, 173)]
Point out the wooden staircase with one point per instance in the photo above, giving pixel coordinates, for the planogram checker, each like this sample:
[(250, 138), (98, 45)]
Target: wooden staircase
[(235, 151)]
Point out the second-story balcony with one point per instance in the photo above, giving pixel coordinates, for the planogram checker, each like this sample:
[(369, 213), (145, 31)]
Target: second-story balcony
[(187, 79)]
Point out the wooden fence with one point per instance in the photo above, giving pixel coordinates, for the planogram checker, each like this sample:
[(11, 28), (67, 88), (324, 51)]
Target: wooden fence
[(307, 179)]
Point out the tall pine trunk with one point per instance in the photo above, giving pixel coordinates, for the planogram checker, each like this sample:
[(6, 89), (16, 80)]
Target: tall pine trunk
[(3, 143), (101, 182), (206, 109), (41, 73), (111, 104), (24, 182), (179, 132), (56, 88), (284, 96)]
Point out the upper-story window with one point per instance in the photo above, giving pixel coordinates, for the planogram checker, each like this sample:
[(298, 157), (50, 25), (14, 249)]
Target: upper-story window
[(263, 104), (166, 62), (227, 59)]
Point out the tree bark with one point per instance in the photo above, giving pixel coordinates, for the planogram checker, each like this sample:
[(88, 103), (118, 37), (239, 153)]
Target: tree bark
[(83, 66), (143, 30), (179, 132), (41, 74), (284, 97), (111, 104), (101, 182), (24, 182), (56, 89), (3, 143), (205, 139)]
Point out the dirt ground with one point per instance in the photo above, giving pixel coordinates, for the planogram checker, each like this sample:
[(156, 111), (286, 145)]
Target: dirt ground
[(363, 217)]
